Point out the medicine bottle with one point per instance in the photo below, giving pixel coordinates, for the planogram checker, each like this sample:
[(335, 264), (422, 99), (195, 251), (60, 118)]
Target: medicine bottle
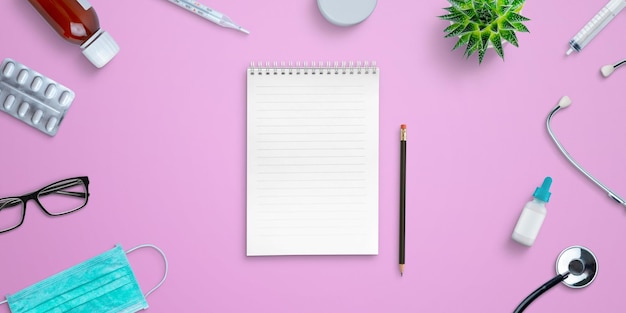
[(76, 21), (533, 214)]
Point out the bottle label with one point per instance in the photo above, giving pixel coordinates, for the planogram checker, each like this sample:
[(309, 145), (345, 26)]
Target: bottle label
[(529, 223), (84, 3)]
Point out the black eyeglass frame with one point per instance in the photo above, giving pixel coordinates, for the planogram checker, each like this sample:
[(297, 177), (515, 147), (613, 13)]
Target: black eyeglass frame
[(54, 187)]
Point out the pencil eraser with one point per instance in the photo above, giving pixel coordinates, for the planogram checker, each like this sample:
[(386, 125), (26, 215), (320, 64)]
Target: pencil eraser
[(346, 12), (403, 126)]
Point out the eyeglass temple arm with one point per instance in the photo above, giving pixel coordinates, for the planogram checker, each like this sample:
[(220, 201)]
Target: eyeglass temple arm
[(610, 193), (59, 189), (10, 203)]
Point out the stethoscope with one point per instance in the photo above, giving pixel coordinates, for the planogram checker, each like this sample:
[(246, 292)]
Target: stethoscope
[(576, 267), (564, 103)]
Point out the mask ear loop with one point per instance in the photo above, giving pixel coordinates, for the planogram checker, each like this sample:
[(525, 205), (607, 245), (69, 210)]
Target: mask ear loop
[(164, 259), (3, 302)]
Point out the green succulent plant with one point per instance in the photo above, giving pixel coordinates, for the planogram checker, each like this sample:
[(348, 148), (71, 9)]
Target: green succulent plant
[(478, 23)]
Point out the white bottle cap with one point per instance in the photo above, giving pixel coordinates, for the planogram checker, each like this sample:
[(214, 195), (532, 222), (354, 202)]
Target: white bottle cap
[(100, 48), (346, 12)]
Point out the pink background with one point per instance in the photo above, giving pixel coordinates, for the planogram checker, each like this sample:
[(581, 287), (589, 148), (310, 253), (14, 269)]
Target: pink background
[(160, 131)]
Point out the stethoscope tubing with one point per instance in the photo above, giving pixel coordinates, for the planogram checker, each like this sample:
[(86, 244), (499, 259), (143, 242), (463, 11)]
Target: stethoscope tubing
[(610, 193), (539, 291)]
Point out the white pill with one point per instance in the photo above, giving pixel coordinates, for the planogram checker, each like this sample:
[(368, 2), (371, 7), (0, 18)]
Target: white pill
[(64, 99), (52, 122), (36, 84), (50, 91), (37, 116), (8, 69), (23, 109), (22, 77), (8, 102)]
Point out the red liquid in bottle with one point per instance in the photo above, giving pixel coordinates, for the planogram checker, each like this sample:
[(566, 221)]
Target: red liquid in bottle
[(77, 22)]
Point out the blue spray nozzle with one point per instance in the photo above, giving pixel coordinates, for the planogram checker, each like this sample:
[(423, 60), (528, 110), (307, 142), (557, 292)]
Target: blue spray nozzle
[(543, 193)]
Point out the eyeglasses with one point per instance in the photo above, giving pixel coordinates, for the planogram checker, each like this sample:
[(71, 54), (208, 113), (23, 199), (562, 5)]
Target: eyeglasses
[(63, 197)]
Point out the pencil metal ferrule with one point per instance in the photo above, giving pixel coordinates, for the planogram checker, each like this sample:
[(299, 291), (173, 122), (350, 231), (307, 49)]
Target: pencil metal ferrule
[(403, 134)]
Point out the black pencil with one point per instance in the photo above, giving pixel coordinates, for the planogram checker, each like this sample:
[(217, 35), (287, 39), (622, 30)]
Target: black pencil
[(402, 194)]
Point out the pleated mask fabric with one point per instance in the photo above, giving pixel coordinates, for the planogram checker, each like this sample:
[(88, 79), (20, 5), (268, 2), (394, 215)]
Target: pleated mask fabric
[(103, 284)]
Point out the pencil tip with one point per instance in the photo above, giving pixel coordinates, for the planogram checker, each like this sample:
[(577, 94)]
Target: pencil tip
[(401, 274)]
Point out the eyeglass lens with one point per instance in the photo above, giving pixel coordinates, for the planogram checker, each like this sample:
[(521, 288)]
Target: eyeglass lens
[(63, 197), (11, 213)]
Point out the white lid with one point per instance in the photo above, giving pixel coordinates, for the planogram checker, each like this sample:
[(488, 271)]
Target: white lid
[(346, 12), (101, 50)]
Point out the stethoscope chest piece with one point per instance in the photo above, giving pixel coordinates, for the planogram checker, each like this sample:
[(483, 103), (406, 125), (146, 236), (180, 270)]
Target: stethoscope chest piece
[(580, 263), (576, 267)]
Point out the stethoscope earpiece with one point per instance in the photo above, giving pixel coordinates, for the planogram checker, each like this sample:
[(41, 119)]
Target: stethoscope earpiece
[(608, 69)]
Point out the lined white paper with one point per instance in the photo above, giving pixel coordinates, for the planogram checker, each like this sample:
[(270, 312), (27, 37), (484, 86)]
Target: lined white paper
[(312, 163)]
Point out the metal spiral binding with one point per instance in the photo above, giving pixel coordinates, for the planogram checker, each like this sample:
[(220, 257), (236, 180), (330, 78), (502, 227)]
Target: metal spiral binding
[(319, 68)]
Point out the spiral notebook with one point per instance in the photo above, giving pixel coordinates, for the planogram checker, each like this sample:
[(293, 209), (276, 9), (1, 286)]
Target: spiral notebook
[(312, 159)]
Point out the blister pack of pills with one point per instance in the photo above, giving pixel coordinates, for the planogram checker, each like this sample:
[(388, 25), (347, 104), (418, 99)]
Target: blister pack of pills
[(32, 97)]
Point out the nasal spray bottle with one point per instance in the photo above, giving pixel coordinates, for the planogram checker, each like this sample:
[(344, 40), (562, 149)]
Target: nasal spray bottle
[(533, 214)]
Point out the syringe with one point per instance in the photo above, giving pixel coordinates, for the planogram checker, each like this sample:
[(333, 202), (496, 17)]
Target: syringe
[(596, 24)]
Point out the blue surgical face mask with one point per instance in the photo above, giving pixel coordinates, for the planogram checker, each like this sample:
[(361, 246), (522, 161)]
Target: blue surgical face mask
[(105, 283)]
